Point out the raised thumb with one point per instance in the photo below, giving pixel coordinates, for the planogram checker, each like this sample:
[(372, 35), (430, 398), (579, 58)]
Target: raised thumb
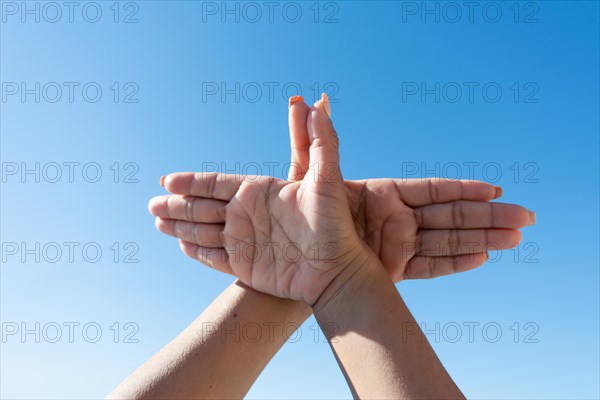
[(324, 144)]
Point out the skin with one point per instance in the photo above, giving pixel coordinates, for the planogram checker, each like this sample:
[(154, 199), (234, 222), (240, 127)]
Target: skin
[(404, 226), (418, 228), (213, 357), (377, 343)]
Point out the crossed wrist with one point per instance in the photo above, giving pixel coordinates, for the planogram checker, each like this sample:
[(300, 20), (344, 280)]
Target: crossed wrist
[(342, 294)]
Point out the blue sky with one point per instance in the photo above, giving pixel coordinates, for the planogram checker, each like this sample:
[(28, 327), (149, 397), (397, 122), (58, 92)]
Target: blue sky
[(506, 92)]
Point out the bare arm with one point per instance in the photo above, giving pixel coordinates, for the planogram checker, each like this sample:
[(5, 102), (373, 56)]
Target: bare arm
[(207, 362), (220, 354), (377, 343)]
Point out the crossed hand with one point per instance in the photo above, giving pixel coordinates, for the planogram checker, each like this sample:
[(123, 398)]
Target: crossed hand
[(293, 238)]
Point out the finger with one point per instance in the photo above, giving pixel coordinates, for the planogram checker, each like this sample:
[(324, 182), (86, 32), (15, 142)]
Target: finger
[(299, 141), (187, 208), (216, 258), (324, 146), (449, 242), (210, 185), (422, 267), (421, 192), (206, 235), (464, 214)]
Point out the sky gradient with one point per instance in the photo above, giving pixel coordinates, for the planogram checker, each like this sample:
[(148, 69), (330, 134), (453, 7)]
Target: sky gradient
[(100, 100)]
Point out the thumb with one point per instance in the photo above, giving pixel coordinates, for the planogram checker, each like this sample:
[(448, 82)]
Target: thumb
[(324, 144)]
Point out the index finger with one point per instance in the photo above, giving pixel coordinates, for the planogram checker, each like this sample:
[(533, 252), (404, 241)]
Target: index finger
[(209, 185), (421, 192)]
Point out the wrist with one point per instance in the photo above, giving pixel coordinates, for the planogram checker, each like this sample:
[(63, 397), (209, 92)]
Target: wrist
[(295, 310), (342, 294)]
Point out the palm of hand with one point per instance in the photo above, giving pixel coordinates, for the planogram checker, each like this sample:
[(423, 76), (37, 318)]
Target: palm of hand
[(288, 239), (435, 227), (384, 222)]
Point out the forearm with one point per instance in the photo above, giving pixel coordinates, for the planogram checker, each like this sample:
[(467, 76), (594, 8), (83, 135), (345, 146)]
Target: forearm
[(377, 343), (222, 352)]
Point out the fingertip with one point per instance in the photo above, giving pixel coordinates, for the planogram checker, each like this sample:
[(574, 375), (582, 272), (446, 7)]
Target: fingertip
[(498, 192), (532, 218), (323, 105), (516, 236), (295, 99), (468, 262), (478, 260), (526, 218), (519, 237), (157, 223), (152, 205), (167, 181), (178, 182), (511, 216), (318, 120), (484, 191), (187, 248), (163, 225), (298, 112), (326, 104)]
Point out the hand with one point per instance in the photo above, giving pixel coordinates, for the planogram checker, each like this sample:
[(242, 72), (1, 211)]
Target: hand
[(421, 228), (418, 228), (263, 214)]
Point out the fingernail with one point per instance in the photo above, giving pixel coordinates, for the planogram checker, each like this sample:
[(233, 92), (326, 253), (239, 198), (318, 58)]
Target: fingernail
[(326, 104), (498, 193), (531, 218), (295, 99), (162, 180)]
